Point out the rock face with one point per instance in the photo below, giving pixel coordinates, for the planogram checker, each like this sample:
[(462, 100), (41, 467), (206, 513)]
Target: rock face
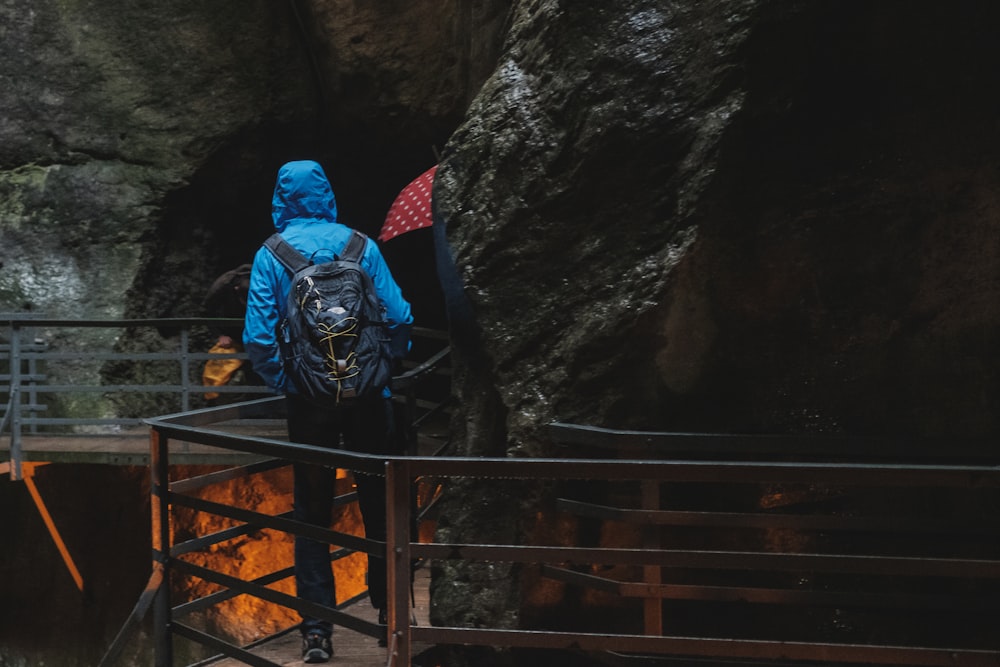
[(741, 216), (139, 141), (108, 110), (750, 217), (733, 216)]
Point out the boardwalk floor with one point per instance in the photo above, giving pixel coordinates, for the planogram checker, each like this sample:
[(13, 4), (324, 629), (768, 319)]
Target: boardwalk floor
[(351, 649)]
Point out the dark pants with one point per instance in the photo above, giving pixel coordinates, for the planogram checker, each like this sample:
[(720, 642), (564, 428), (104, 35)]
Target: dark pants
[(365, 427)]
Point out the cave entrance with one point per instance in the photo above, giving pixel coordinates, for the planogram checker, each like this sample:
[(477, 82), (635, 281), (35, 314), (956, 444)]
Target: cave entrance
[(222, 216)]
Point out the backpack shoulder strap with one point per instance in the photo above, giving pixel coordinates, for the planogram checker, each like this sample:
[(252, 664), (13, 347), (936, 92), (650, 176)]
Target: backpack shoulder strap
[(355, 248), (283, 251)]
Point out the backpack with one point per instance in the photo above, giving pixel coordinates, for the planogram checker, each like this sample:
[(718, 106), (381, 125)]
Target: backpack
[(334, 338)]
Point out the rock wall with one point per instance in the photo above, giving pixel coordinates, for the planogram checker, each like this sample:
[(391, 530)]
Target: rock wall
[(750, 216), (724, 216), (747, 215), (140, 141), (108, 109)]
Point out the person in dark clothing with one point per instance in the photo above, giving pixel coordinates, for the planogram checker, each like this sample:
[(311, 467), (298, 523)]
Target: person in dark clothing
[(304, 212), (227, 298)]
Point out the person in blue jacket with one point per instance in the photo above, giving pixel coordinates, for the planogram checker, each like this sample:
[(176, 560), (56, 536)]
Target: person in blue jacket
[(304, 212)]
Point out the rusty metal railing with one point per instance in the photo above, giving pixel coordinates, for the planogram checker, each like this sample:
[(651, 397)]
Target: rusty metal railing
[(938, 578), (421, 395)]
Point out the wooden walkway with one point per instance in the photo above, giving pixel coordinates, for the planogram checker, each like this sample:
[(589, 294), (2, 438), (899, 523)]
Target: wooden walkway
[(131, 448), (350, 649)]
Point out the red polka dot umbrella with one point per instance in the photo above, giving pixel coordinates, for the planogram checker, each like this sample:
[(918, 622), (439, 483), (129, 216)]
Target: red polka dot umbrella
[(411, 208)]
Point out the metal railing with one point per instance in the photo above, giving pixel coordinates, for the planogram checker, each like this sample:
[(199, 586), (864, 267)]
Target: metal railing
[(422, 398), (56, 366), (957, 581), (43, 397)]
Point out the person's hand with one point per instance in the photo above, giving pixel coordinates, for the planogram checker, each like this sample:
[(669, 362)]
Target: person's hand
[(225, 341)]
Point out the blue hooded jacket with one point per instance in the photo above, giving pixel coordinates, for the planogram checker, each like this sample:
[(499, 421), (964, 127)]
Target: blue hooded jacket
[(304, 211)]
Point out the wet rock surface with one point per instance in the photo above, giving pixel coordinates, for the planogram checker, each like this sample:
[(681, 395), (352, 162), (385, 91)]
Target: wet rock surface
[(138, 148), (749, 217), (788, 214), (728, 216)]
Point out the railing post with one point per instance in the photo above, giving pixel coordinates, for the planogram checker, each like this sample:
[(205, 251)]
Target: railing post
[(185, 369), (411, 413), (652, 574), (32, 383), (397, 548), (160, 521), (15, 401)]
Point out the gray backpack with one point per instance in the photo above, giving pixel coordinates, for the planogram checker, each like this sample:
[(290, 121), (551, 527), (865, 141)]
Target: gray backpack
[(334, 339)]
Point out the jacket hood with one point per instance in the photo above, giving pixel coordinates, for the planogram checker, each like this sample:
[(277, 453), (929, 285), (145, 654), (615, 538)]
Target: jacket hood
[(302, 191)]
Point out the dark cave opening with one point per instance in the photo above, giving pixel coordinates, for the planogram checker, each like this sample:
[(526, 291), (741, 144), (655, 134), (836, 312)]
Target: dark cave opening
[(220, 218)]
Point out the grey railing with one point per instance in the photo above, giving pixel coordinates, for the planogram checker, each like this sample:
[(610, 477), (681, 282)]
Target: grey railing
[(51, 380), (51, 373)]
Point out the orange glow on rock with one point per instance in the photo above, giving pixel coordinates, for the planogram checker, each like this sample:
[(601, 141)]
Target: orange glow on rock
[(245, 618)]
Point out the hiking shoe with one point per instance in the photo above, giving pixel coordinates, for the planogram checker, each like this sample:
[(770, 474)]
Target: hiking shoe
[(316, 648)]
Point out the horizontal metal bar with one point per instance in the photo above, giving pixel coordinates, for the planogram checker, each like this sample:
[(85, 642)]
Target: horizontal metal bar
[(710, 647), (220, 415), (238, 472), (87, 355), (336, 458), (433, 334), (854, 474), (899, 566), (128, 459), (81, 421), (212, 599), (223, 647), (300, 605), (144, 388), (230, 389), (776, 595), (21, 320), (373, 547), (423, 404), (198, 543), (204, 541), (815, 522), (26, 320), (411, 377), (656, 444), (839, 599)]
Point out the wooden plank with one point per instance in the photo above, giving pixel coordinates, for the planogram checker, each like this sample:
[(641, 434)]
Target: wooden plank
[(349, 648), (131, 447)]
